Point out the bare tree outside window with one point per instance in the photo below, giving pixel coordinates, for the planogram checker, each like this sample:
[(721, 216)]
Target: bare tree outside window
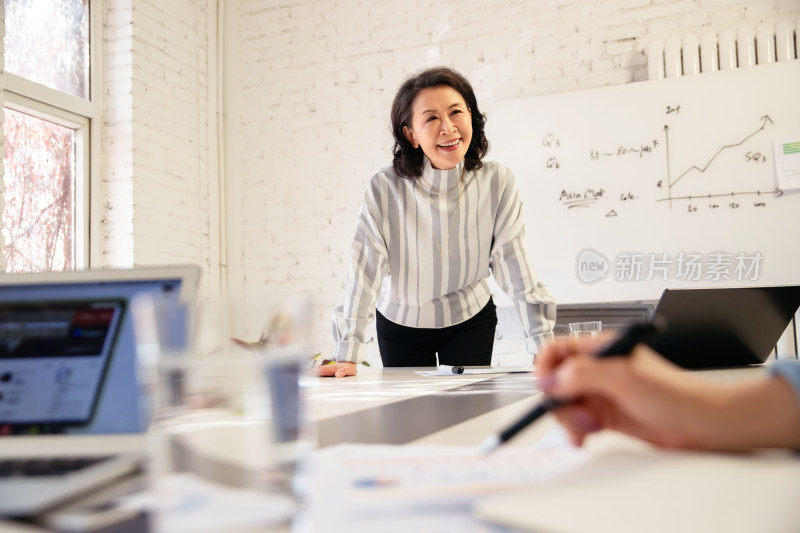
[(47, 41), (38, 219)]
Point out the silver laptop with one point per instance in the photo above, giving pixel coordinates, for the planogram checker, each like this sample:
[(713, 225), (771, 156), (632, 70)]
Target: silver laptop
[(71, 415)]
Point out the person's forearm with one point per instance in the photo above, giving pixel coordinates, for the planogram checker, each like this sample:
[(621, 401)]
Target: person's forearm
[(762, 413)]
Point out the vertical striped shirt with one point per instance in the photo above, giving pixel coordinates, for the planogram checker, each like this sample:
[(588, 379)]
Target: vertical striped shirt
[(788, 370), (423, 249)]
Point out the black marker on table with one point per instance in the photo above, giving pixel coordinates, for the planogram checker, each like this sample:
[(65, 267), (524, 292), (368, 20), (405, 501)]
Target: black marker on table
[(622, 346), (451, 369)]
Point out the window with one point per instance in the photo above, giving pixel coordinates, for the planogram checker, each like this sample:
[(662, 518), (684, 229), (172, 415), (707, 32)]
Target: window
[(49, 43), (48, 113), (39, 200)]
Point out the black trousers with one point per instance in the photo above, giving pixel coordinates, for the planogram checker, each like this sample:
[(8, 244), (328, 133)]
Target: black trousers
[(467, 344)]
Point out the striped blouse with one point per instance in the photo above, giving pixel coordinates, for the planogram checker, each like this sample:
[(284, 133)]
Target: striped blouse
[(423, 249), (788, 370)]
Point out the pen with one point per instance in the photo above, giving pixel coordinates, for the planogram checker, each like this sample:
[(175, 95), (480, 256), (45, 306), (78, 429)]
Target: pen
[(622, 346), (453, 369)]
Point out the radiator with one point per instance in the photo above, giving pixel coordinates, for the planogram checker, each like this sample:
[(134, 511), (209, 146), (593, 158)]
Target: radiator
[(726, 50)]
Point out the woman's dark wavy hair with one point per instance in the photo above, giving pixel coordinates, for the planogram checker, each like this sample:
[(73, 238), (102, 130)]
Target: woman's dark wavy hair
[(408, 161)]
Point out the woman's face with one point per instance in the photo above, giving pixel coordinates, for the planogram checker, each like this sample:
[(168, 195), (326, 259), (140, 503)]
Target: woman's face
[(441, 124)]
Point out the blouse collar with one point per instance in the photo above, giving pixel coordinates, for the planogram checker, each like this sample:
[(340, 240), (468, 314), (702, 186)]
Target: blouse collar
[(441, 180)]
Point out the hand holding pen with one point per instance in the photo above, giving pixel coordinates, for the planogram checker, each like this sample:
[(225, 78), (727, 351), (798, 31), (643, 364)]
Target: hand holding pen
[(547, 363)]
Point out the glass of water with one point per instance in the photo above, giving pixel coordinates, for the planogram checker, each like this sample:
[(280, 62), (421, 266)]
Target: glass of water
[(225, 385), (588, 329)]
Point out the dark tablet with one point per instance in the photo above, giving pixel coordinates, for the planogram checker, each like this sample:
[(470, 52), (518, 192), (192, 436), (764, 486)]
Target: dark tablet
[(725, 327)]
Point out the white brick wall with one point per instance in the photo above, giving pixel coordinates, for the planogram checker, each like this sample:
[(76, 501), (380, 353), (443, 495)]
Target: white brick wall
[(157, 136), (117, 146), (308, 86), (313, 82)]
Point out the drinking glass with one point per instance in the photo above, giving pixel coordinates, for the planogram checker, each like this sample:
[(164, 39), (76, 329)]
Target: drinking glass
[(591, 328), (224, 384)]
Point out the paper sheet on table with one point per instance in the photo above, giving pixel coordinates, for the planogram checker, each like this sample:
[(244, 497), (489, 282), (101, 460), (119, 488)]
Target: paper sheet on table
[(367, 488), (189, 504), (478, 371)]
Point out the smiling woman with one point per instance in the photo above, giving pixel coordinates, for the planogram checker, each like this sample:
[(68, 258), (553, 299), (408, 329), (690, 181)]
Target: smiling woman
[(441, 125), (437, 223)]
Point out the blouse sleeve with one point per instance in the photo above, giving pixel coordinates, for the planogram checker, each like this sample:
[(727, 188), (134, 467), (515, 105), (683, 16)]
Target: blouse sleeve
[(788, 370), (514, 273), (368, 267)]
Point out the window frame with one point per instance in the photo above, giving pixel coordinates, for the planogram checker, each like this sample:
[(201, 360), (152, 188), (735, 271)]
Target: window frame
[(80, 192), (83, 115)]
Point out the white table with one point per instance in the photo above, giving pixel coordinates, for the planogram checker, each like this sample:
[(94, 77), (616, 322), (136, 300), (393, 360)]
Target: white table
[(485, 404)]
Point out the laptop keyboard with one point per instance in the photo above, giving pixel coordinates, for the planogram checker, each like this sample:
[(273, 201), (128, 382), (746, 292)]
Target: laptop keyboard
[(46, 467)]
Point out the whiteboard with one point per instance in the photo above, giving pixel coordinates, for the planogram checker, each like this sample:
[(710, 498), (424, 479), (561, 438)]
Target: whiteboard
[(668, 183)]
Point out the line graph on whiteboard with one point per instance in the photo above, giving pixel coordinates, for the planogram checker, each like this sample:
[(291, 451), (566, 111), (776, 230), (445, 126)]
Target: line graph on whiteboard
[(721, 169), (696, 164), (713, 198)]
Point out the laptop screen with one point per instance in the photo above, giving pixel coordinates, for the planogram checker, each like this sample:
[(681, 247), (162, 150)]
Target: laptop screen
[(117, 406), (723, 326), (54, 357)]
